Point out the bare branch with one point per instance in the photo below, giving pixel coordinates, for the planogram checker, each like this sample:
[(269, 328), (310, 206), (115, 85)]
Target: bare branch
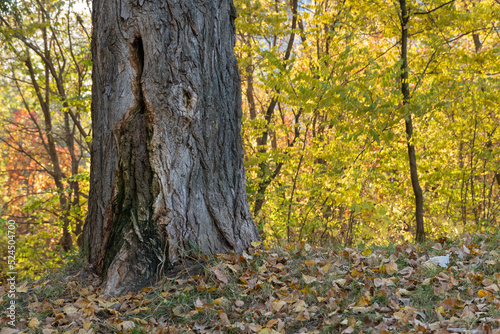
[(433, 10)]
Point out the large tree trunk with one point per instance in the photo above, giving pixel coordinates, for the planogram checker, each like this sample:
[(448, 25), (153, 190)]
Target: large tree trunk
[(167, 160)]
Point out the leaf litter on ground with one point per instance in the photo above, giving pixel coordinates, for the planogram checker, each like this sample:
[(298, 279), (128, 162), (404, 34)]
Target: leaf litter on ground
[(293, 289)]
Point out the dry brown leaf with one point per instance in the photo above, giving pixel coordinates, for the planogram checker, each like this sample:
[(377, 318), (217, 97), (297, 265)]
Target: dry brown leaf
[(192, 313), (303, 316), (222, 302), (310, 263), (86, 325), (34, 323), (125, 325), (391, 268), (224, 319), (69, 309), (278, 305), (254, 328), (340, 281), (139, 309), (403, 292), (309, 279), (300, 306), (23, 288), (220, 275), (7, 330), (267, 331), (198, 304), (493, 288), (361, 310), (178, 311), (234, 268), (378, 282), (325, 269), (271, 323), (486, 282), (497, 277), (348, 330), (82, 303), (437, 246)]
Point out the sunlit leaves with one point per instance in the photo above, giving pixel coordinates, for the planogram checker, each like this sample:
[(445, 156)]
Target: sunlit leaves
[(339, 96)]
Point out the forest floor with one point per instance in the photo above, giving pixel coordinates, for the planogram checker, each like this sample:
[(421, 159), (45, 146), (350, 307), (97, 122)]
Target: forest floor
[(299, 289)]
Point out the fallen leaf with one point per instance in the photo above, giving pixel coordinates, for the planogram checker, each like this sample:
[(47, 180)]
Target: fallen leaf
[(7, 330), (266, 331), (340, 281), (178, 311), (23, 288), (308, 279), (483, 293), (254, 328), (391, 268), (403, 292), (324, 270), (437, 246), (300, 306), (310, 263), (68, 309), (222, 302), (224, 319), (359, 309), (256, 244), (86, 325), (378, 282), (348, 330), (125, 325), (486, 282), (198, 304), (278, 305), (493, 288), (272, 323), (303, 316), (220, 275)]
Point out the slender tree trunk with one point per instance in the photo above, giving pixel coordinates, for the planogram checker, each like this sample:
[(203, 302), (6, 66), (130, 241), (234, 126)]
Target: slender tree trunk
[(267, 175), (167, 171), (249, 91), (73, 184), (405, 90), (57, 173), (464, 186)]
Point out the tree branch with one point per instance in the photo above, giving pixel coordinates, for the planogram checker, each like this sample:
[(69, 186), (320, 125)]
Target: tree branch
[(433, 10)]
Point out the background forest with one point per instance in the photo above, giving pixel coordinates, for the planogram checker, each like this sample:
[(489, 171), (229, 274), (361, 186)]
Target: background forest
[(325, 125)]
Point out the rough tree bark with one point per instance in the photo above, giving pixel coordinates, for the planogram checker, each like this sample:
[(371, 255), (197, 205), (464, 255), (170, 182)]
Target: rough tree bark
[(167, 170)]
